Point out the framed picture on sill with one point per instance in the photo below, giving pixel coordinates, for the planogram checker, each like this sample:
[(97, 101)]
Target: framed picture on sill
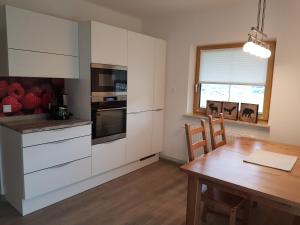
[(249, 112), (230, 110), (213, 108)]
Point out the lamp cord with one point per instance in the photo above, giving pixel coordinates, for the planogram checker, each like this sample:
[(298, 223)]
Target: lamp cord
[(258, 15), (263, 17)]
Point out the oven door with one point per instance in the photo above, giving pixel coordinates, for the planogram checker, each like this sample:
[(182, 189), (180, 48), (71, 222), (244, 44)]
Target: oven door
[(109, 124)]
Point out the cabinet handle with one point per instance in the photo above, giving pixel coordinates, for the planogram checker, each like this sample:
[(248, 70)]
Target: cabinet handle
[(58, 142), (59, 166), (110, 109)]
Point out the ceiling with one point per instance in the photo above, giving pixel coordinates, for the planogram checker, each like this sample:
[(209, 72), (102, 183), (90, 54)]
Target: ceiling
[(152, 8)]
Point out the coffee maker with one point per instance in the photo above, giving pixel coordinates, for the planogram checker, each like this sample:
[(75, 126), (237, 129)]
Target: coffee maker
[(59, 108)]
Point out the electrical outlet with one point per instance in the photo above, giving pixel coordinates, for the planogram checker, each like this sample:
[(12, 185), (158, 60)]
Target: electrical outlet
[(7, 108)]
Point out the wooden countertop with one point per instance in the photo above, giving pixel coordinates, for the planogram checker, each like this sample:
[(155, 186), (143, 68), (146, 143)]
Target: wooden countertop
[(38, 125)]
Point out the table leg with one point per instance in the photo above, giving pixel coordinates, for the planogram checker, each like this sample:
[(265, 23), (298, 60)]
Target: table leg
[(193, 201), (297, 220)]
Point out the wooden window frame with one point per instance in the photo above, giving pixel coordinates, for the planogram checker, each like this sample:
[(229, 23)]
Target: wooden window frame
[(269, 80)]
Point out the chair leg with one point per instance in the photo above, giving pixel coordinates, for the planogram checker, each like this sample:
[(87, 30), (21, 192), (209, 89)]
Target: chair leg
[(296, 220), (205, 214), (232, 217), (247, 212), (202, 212)]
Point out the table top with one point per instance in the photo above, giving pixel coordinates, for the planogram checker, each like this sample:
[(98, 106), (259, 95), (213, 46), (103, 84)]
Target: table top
[(225, 165)]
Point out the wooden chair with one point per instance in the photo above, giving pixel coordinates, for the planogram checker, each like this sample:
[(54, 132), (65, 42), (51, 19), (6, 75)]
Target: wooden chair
[(213, 200), (219, 133), (192, 147)]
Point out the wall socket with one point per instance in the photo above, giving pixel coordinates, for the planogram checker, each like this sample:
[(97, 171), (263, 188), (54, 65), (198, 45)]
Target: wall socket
[(7, 108)]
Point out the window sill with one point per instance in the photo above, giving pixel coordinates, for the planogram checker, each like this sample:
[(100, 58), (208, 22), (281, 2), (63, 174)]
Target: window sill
[(259, 124)]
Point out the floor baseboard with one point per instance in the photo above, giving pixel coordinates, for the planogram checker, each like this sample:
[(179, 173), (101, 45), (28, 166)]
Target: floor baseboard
[(168, 158)]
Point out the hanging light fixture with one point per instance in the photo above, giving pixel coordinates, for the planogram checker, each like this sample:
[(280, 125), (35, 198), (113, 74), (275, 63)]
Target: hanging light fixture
[(256, 44)]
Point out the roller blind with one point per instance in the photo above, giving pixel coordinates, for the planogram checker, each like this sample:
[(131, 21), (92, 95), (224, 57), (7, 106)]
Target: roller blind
[(232, 66)]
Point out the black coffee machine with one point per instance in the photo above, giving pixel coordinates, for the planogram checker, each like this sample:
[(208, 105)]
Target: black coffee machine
[(59, 108)]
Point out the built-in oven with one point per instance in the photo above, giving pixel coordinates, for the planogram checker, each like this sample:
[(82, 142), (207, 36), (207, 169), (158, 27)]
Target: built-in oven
[(108, 102)]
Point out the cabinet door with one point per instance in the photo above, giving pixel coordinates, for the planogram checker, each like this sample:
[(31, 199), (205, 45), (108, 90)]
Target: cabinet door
[(158, 131), (109, 44), (140, 72), (32, 31), (160, 74), (139, 132), (36, 64), (108, 156)]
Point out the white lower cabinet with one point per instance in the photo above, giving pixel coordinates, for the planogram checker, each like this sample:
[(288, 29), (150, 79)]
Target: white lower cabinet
[(44, 156), (45, 161), (108, 156), (56, 177), (49, 136), (158, 130), (139, 132)]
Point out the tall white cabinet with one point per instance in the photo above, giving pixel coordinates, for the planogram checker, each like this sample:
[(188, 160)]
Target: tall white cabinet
[(141, 57), (146, 93)]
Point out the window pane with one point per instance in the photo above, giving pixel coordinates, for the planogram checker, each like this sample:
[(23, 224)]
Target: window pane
[(215, 92), (248, 94)]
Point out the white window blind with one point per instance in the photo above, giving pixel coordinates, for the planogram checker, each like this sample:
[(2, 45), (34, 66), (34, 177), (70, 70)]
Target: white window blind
[(232, 66)]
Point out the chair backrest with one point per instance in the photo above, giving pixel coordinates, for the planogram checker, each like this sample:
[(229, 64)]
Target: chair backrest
[(215, 134), (192, 147)]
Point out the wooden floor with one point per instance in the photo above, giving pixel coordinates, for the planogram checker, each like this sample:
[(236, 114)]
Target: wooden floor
[(154, 195)]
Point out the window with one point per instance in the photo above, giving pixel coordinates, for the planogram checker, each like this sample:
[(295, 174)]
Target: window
[(226, 73)]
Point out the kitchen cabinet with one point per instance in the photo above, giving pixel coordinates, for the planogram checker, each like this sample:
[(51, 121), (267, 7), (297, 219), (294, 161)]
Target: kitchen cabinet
[(159, 73), (37, 163), (157, 131), (108, 156), (146, 72), (37, 45), (108, 44), (36, 64), (139, 136), (56, 177), (141, 63)]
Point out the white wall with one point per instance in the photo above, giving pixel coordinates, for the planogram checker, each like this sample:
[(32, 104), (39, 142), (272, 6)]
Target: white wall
[(226, 25), (78, 10)]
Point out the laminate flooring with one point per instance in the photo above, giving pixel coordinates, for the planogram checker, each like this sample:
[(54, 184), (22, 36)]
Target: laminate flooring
[(153, 195)]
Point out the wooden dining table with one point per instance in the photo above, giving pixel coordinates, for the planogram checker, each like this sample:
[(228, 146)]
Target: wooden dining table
[(224, 168)]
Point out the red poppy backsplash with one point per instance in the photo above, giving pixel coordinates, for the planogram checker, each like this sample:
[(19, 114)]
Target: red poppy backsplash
[(28, 95)]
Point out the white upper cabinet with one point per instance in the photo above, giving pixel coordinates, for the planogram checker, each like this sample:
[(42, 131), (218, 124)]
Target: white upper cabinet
[(27, 30), (32, 44), (160, 73), (141, 70), (37, 64), (108, 44)]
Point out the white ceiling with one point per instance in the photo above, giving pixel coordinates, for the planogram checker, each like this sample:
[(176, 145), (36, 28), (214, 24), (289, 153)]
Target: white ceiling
[(152, 8)]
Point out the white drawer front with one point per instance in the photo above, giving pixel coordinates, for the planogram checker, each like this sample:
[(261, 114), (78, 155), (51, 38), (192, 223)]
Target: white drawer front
[(55, 135), (47, 180), (108, 156), (55, 153)]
